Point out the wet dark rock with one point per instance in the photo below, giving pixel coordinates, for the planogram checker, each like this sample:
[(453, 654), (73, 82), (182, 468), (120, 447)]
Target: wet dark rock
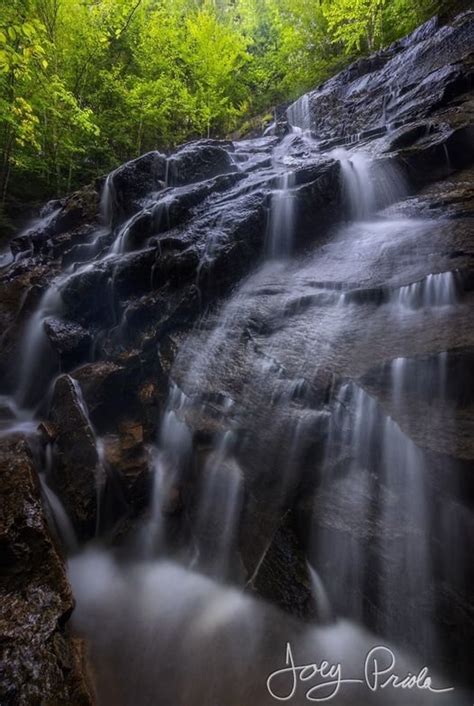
[(184, 199), (132, 182), (41, 661), (403, 83), (406, 136), (72, 239), (436, 419), (66, 222), (75, 459), (80, 208), (109, 390), (133, 273), (198, 161), (319, 204), (181, 289), (127, 457), (239, 240), (438, 156), (71, 341), (451, 198), (88, 296), (21, 288), (138, 231), (162, 312), (83, 248), (283, 576)]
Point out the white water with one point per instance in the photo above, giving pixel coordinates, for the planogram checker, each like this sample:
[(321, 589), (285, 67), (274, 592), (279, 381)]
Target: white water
[(107, 201), (281, 221), (219, 508), (171, 457), (357, 180), (437, 290), (367, 185), (120, 242), (35, 349), (374, 528), (43, 221), (60, 518), (161, 634), (156, 628), (299, 115)]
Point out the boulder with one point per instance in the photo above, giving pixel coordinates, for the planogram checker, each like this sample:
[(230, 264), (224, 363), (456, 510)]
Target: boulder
[(198, 161), (75, 458), (105, 391), (125, 189), (88, 296), (70, 340), (59, 224), (41, 662), (282, 575)]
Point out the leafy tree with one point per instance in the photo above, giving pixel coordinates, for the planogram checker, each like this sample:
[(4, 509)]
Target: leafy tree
[(217, 85), (357, 24), (87, 84), (22, 63)]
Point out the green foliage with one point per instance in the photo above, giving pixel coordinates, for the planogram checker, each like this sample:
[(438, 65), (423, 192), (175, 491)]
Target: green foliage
[(87, 84)]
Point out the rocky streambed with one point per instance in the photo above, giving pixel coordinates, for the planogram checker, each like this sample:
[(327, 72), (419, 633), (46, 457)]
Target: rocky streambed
[(238, 400)]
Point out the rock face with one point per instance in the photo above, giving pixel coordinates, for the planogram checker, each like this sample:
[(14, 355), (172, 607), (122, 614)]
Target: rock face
[(41, 662), (76, 468), (401, 85), (124, 191), (264, 350)]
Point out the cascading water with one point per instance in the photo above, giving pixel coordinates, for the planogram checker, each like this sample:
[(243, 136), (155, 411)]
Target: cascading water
[(289, 325), (281, 224), (434, 290), (373, 528), (299, 115), (107, 201), (359, 508), (36, 351), (358, 186), (219, 508), (197, 642), (171, 458), (281, 220), (60, 517)]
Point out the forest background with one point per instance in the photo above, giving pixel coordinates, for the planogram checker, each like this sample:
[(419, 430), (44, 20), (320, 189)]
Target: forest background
[(88, 84)]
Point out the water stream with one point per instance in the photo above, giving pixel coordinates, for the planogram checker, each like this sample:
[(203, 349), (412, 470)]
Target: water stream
[(169, 631)]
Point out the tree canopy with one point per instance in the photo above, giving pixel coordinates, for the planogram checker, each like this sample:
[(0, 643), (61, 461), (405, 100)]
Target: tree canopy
[(87, 84)]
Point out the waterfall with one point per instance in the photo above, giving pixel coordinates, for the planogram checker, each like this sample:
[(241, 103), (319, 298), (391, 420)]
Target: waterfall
[(41, 224), (171, 457), (357, 182), (282, 218), (436, 290), (367, 185), (60, 518), (299, 115), (36, 365), (107, 201), (287, 435), (197, 642), (219, 508), (120, 244), (375, 527)]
